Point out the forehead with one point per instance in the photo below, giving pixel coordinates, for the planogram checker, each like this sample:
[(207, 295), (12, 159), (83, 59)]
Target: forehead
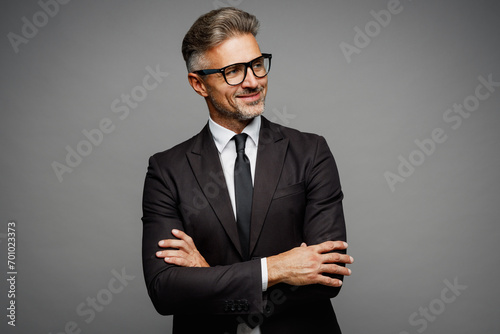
[(238, 49)]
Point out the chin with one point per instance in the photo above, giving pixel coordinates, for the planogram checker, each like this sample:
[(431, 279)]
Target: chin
[(246, 117), (249, 112), (239, 112)]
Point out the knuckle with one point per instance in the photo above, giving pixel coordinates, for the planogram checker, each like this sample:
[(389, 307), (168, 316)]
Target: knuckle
[(327, 280), (330, 245)]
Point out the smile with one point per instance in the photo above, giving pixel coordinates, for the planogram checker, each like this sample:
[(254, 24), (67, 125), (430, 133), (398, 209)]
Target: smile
[(249, 97)]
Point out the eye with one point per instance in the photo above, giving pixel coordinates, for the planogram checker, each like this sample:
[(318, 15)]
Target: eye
[(233, 71), (258, 64)]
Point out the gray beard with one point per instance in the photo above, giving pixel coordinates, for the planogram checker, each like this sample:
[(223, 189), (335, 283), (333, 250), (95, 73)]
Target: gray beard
[(239, 114)]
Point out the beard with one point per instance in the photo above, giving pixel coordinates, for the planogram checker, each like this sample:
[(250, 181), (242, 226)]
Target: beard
[(242, 111)]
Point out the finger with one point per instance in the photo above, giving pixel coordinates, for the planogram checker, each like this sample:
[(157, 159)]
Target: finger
[(171, 253), (335, 269), (337, 258), (173, 243), (328, 281), (329, 246), (183, 236), (178, 261)]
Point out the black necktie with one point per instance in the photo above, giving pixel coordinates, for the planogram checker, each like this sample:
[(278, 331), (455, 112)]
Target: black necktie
[(243, 190)]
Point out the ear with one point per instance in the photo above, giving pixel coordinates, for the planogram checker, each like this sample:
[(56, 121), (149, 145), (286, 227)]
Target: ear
[(197, 83)]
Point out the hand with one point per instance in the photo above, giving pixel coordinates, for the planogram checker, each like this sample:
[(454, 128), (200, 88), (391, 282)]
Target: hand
[(184, 254), (305, 265)]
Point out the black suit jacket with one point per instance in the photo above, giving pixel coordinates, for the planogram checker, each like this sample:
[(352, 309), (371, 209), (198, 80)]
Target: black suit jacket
[(297, 198)]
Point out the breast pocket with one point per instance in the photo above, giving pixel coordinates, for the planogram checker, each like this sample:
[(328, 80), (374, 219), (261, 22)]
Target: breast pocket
[(289, 190)]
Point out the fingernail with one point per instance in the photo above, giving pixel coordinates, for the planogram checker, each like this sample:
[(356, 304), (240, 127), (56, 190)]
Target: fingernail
[(352, 259), (158, 253), (161, 243), (340, 283), (166, 259), (345, 244), (350, 271), (175, 230)]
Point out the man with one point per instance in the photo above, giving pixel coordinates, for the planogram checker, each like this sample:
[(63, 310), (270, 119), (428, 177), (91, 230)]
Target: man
[(242, 233)]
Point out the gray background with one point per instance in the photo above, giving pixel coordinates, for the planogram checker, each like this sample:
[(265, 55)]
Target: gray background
[(439, 224)]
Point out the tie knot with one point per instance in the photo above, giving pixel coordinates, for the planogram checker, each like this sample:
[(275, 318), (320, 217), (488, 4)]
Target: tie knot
[(240, 141)]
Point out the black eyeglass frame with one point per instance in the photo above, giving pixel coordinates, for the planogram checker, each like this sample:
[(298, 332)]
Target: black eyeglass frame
[(247, 65)]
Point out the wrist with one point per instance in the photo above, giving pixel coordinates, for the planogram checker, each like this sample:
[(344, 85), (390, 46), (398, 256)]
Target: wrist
[(274, 271)]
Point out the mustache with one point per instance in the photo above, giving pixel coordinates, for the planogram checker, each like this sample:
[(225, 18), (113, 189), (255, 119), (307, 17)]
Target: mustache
[(249, 91)]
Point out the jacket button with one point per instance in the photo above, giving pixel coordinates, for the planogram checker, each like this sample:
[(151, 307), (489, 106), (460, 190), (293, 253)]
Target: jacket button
[(229, 306), (244, 304)]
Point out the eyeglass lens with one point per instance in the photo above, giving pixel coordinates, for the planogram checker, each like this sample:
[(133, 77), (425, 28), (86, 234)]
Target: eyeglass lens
[(236, 74)]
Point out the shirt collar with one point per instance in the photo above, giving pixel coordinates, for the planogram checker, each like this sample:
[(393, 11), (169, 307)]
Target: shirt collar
[(222, 136)]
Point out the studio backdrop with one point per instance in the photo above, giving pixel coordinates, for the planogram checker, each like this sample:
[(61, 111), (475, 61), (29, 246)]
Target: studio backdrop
[(406, 93)]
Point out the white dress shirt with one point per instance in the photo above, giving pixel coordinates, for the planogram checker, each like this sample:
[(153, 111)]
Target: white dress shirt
[(227, 154)]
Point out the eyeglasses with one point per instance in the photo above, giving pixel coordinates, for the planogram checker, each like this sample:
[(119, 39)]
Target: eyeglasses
[(236, 73)]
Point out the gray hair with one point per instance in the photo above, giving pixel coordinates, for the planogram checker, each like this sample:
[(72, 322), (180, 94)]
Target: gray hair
[(213, 28)]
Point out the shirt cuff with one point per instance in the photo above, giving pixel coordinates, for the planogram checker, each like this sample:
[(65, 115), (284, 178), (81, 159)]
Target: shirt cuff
[(263, 264)]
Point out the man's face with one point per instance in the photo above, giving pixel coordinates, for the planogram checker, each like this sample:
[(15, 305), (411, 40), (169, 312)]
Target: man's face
[(246, 100)]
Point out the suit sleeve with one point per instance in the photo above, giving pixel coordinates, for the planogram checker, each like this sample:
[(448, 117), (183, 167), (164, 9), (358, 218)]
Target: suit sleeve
[(324, 217), (230, 289)]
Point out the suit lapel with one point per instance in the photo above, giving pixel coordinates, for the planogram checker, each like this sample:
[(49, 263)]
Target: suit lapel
[(270, 158), (205, 163), (206, 166)]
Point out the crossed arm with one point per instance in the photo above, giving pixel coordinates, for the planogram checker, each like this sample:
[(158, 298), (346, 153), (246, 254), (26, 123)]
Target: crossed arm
[(299, 266), (174, 268)]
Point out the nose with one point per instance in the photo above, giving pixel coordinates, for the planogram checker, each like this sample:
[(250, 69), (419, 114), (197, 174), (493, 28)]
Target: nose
[(250, 80)]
